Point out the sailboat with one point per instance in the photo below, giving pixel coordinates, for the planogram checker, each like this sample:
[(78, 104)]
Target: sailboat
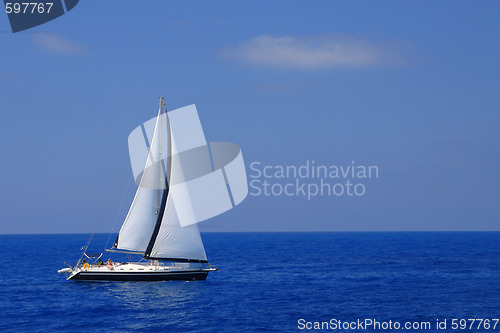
[(184, 181)]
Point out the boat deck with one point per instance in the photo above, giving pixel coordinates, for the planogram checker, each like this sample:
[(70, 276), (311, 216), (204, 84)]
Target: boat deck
[(131, 267), (139, 272)]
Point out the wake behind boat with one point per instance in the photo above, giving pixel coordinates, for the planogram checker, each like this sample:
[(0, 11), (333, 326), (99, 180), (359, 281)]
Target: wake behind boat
[(185, 180)]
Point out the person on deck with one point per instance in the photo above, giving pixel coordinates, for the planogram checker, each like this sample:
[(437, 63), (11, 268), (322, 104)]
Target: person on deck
[(109, 264)]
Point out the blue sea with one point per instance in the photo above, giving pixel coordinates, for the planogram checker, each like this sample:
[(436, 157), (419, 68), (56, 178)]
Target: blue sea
[(267, 282)]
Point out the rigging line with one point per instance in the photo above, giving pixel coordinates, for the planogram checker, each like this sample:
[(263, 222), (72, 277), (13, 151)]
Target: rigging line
[(85, 250), (118, 212), (105, 205), (88, 242)]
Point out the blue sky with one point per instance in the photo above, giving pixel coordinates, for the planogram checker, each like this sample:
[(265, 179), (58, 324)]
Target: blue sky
[(411, 87)]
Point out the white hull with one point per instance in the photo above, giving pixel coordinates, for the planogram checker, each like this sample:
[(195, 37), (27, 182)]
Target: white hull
[(140, 272)]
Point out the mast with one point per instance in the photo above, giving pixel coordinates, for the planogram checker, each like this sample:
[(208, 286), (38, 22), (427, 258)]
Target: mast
[(162, 171)]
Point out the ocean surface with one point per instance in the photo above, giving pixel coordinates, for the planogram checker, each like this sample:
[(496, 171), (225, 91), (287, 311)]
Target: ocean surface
[(266, 283)]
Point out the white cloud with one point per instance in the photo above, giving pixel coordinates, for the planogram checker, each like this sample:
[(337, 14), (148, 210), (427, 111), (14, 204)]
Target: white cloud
[(57, 44), (315, 52)]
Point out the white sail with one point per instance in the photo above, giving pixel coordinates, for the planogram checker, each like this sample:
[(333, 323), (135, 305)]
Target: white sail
[(173, 241), (137, 229), (202, 181)]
